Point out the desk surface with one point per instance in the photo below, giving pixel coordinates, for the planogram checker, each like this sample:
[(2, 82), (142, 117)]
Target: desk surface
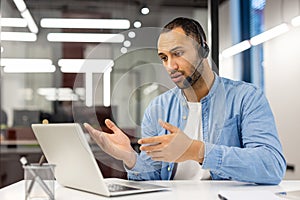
[(180, 190)]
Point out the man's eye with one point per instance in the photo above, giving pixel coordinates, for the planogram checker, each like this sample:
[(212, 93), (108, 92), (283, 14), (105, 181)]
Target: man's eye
[(164, 58), (178, 53)]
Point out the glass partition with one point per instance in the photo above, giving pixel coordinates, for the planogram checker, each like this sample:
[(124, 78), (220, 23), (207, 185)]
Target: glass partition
[(78, 61)]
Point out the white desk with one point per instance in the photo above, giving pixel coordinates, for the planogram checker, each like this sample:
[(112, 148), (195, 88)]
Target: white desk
[(185, 190)]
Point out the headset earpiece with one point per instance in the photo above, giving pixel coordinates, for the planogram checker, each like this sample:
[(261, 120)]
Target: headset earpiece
[(203, 49)]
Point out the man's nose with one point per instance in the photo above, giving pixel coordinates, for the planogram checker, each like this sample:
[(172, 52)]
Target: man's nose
[(172, 65)]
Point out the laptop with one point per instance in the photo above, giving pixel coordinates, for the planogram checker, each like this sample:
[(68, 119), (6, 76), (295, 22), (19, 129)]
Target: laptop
[(66, 146)]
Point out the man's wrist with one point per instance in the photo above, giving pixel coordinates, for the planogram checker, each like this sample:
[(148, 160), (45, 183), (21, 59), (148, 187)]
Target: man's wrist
[(131, 160), (198, 151)]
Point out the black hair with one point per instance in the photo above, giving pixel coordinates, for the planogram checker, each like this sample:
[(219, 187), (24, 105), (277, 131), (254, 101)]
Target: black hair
[(191, 27)]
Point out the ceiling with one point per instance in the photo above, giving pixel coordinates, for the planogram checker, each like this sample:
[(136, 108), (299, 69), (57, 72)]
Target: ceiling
[(114, 8), (113, 4)]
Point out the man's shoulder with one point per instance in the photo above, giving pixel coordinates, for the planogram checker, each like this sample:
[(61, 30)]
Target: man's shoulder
[(239, 86)]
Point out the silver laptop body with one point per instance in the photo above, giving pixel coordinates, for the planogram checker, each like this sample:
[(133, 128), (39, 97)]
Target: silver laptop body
[(66, 146)]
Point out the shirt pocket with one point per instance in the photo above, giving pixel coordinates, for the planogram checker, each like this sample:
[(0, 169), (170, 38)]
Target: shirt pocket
[(230, 135)]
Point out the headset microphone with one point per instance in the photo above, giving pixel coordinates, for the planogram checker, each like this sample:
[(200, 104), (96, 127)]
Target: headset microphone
[(189, 81)]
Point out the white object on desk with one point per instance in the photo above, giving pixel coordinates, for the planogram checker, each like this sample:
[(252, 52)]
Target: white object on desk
[(248, 195), (206, 190)]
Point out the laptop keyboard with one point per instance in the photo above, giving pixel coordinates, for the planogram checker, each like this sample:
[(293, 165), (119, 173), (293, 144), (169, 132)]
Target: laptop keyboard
[(119, 188)]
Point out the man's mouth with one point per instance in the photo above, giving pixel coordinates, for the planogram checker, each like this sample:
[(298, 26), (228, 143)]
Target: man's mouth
[(176, 77)]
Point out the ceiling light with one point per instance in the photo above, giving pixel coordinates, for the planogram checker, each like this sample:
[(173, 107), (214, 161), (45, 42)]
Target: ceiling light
[(58, 94), (106, 88), (29, 69), (85, 37), (85, 65), (54, 91), (131, 34), (2, 49), (25, 61), (46, 91), (269, 34), (20, 4), (145, 10), (127, 43), (85, 23), (137, 24), (13, 22), (18, 36), (235, 49), (123, 50), (31, 24), (296, 21), (23, 65)]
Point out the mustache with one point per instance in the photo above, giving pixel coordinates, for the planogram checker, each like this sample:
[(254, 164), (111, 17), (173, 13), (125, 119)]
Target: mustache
[(172, 72)]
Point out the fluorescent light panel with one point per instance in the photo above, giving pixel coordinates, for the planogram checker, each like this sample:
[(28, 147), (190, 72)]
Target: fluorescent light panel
[(58, 94), (235, 49), (29, 69), (30, 21), (85, 23), (13, 22), (72, 97), (25, 61), (269, 34), (20, 65), (54, 91), (18, 36), (20, 4), (106, 88), (85, 65), (85, 37), (296, 21)]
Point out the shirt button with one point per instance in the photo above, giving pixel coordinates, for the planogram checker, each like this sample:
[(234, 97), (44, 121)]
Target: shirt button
[(184, 117), (169, 168)]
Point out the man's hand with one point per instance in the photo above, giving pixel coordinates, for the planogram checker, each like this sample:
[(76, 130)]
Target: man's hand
[(117, 144), (174, 147)]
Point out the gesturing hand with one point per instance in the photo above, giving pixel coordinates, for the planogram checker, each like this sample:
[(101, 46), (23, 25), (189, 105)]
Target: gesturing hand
[(174, 147), (117, 144)]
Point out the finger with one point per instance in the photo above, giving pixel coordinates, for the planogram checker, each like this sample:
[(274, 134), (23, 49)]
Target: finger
[(112, 126), (157, 147), (155, 154), (151, 140), (96, 135), (87, 126), (168, 126), (90, 129)]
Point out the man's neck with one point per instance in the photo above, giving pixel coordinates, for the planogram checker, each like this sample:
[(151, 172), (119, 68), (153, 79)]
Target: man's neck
[(200, 88)]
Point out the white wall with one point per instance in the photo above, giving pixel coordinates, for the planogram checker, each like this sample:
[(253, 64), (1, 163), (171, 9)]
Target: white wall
[(229, 35), (282, 70)]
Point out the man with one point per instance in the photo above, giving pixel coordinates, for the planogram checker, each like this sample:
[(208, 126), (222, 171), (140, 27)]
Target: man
[(207, 127)]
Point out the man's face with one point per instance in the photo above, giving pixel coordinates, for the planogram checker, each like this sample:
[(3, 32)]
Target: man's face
[(178, 54)]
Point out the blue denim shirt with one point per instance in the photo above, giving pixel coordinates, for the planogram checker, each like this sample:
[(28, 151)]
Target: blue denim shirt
[(239, 132)]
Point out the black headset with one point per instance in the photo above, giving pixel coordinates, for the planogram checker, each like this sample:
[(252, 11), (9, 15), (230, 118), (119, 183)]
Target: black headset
[(203, 51)]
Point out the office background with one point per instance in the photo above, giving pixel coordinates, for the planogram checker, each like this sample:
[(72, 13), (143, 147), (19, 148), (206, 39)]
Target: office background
[(272, 65)]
